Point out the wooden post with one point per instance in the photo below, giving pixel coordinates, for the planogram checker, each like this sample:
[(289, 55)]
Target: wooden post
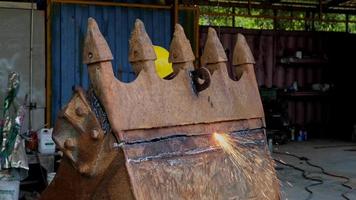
[(347, 23), (306, 22), (196, 34), (320, 9), (233, 17), (175, 13)]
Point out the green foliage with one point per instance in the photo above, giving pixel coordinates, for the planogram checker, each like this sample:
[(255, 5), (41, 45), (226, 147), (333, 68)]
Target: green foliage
[(287, 23), (329, 26), (215, 20), (281, 20), (253, 23), (240, 21), (290, 25), (352, 27), (329, 22)]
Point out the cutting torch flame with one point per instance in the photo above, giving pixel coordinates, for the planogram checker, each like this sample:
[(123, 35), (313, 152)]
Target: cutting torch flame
[(228, 145), (222, 139)]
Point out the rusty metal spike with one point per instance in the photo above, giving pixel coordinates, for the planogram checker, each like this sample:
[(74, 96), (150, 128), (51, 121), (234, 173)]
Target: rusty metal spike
[(141, 48), (180, 49), (242, 52), (96, 49), (213, 51)]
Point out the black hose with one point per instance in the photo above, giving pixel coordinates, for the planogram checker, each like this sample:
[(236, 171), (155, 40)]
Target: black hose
[(344, 184), (307, 188), (334, 146)]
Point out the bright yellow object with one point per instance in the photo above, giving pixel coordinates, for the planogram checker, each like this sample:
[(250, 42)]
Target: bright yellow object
[(163, 67)]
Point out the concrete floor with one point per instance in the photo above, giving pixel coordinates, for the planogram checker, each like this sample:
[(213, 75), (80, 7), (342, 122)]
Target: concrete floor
[(339, 160)]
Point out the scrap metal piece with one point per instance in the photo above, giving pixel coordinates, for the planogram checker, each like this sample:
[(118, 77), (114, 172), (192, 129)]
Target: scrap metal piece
[(13, 160), (74, 134)]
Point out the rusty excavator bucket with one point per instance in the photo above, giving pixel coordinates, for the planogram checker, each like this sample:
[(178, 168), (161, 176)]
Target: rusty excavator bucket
[(198, 135)]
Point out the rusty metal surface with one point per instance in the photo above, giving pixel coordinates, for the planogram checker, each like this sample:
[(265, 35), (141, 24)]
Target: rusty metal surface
[(161, 142), (195, 170), (90, 160), (167, 103)]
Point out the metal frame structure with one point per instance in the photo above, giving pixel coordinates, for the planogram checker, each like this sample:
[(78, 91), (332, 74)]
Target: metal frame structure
[(317, 6)]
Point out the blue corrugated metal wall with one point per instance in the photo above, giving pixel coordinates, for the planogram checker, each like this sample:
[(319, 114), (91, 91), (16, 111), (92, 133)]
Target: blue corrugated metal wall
[(68, 31)]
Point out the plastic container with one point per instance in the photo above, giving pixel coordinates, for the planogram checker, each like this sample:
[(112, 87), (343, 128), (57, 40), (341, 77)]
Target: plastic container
[(292, 132), (45, 143), (270, 145), (305, 135), (50, 177), (9, 190), (300, 136)]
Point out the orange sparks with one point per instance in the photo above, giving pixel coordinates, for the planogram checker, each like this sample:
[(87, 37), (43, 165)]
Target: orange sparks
[(228, 145), (249, 161)]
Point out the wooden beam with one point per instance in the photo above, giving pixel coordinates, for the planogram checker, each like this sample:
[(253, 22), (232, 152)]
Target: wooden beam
[(121, 4), (334, 3), (196, 34), (320, 9)]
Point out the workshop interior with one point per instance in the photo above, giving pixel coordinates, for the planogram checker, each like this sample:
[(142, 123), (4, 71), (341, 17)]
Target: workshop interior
[(177, 99)]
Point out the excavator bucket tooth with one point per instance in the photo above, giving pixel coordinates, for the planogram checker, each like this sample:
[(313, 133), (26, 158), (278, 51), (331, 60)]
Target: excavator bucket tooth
[(162, 139)]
